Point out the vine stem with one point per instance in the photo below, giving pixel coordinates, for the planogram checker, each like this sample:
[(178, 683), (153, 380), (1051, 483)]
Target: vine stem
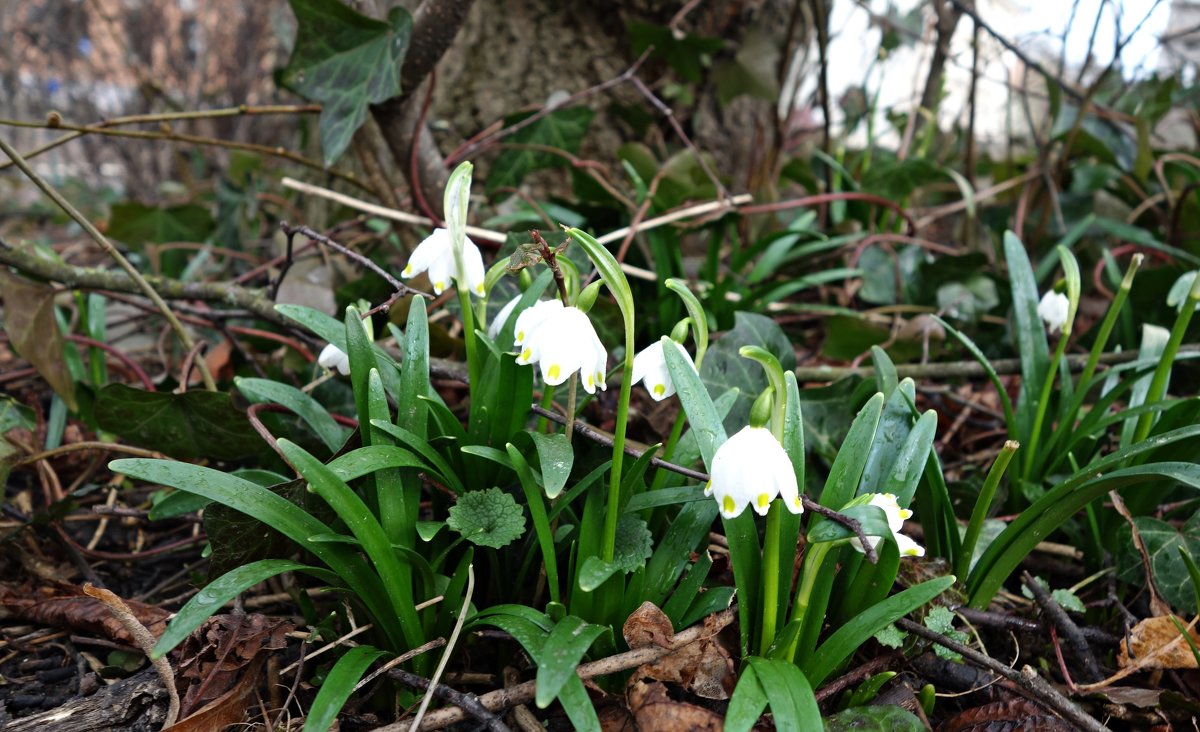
[(185, 338)]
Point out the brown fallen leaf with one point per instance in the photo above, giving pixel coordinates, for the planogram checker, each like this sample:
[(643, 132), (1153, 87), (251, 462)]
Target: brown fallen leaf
[(34, 333), (1016, 715), (704, 668), (227, 709), (65, 606), (218, 655), (1157, 643), (648, 626), (655, 711)]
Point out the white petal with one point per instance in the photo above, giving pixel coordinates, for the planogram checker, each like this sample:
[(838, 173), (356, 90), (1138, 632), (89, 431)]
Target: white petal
[(433, 247), (457, 199), (333, 357), (1053, 309), (908, 547), (647, 360), (473, 264), (746, 469), (502, 317), (532, 317)]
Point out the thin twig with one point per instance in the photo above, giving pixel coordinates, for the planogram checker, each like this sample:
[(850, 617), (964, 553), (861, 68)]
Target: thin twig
[(844, 520), (467, 702), (365, 261), (441, 667), (184, 337), (145, 641), (1027, 679), (1055, 612)]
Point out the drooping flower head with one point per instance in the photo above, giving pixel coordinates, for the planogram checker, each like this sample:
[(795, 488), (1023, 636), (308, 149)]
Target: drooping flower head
[(435, 255), (752, 468), (896, 517), (650, 368), (1054, 310), (333, 357), (562, 341)]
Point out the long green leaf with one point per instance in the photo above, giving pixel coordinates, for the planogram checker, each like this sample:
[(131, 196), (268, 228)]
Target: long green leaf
[(747, 703), (426, 451), (541, 522), (561, 654), (851, 460), (697, 404), (1028, 331), (338, 686), (789, 694), (834, 651), (301, 404), (366, 460)]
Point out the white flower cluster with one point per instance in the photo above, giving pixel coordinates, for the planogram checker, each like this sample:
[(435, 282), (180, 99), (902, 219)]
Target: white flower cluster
[(752, 468), (650, 368), (1054, 309), (562, 341)]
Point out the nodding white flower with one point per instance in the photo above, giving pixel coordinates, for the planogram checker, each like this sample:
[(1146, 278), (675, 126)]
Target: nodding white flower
[(896, 517), (650, 368), (752, 468), (1053, 309), (562, 341), (435, 255), (332, 358), (502, 317)]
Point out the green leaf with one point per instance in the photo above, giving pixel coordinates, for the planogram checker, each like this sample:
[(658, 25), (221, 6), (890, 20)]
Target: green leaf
[(366, 460), (213, 597), (1164, 544), (595, 572), (834, 651), (541, 521), (789, 694), (873, 520), (188, 425), (1069, 601), (338, 686), (300, 403), (135, 223), (687, 54), (33, 331), (346, 61), (555, 457), (560, 654), (724, 368), (634, 543), (488, 518), (562, 129), (891, 636), (1028, 332), (878, 718), (746, 704)]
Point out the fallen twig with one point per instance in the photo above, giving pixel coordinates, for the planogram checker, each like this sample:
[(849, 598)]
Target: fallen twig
[(1054, 612)]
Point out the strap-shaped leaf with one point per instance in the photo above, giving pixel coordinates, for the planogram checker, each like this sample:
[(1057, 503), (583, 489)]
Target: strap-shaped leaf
[(339, 685)]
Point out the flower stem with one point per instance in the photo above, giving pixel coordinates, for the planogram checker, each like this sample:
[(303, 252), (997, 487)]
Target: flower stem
[(468, 321), (1042, 402), (572, 385), (543, 424), (614, 482), (1158, 384), (770, 576), (808, 577)]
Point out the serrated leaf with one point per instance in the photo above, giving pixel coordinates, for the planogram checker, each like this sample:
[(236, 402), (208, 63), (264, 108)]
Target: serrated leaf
[(634, 543), (563, 129), (346, 61), (940, 620), (880, 718), (724, 368), (891, 636), (189, 425), (488, 518), (33, 331)]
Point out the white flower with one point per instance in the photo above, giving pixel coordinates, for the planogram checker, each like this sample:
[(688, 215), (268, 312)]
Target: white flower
[(752, 468), (562, 341), (333, 357), (1053, 309), (435, 255), (502, 317), (895, 518), (650, 368)]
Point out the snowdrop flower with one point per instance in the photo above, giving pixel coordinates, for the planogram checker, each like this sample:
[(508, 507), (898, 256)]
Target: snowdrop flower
[(752, 468), (502, 317), (1053, 309), (895, 518), (562, 341), (435, 255), (650, 368), (332, 358)]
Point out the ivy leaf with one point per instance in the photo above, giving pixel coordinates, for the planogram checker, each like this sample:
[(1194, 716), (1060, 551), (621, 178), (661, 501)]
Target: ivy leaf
[(346, 61), (634, 543), (1162, 541), (488, 518), (562, 129), (189, 425), (32, 330), (724, 368)]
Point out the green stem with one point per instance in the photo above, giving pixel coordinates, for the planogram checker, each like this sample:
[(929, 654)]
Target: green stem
[(543, 424), (1043, 400), (661, 475), (1158, 385), (812, 565), (468, 321), (982, 503), (614, 482), (572, 385), (770, 576), (1110, 320)]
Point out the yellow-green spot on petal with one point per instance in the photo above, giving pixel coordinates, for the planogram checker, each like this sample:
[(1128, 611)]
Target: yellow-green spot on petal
[(659, 389), (911, 553), (526, 354), (554, 371), (763, 500), (905, 514), (728, 505), (408, 271), (479, 289), (439, 285), (591, 381), (520, 336)]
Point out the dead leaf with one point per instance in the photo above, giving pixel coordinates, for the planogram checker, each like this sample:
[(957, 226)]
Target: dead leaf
[(1016, 715), (1132, 695), (215, 658), (648, 626), (1156, 643), (226, 710), (655, 711), (65, 606), (33, 331)]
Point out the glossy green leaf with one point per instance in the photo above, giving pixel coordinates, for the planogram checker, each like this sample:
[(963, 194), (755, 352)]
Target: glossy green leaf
[(844, 475), (366, 460), (555, 457), (425, 450), (338, 686), (347, 62), (746, 704), (724, 368), (1164, 545), (881, 718), (300, 403), (873, 520), (562, 129), (541, 521), (1028, 332), (561, 654), (192, 424), (789, 695)]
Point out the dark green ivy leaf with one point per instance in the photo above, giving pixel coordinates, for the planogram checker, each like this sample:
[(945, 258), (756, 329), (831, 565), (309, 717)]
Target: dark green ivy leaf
[(562, 129), (346, 61), (189, 425)]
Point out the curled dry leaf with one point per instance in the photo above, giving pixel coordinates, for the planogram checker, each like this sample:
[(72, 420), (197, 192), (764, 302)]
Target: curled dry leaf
[(1157, 643), (65, 606), (655, 711), (1015, 715), (216, 657), (703, 668)]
